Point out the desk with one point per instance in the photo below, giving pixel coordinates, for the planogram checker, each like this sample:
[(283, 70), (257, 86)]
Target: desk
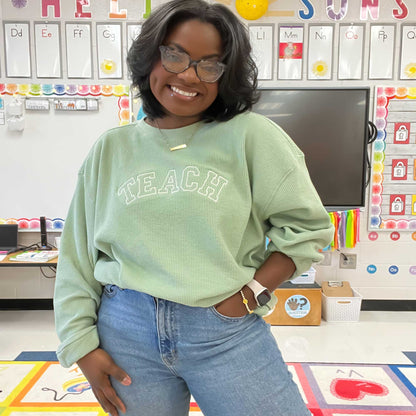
[(8, 263)]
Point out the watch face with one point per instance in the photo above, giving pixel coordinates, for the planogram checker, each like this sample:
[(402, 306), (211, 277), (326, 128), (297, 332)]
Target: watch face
[(263, 297)]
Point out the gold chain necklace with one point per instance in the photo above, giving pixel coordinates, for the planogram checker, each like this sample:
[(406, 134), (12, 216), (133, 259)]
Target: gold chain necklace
[(165, 138)]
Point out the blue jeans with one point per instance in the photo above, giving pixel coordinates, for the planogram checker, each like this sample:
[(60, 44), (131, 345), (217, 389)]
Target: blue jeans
[(231, 366)]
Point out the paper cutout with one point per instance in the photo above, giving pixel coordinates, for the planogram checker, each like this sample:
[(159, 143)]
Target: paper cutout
[(19, 4), (330, 10), (115, 13), (369, 7), (80, 9), (403, 12), (55, 4), (251, 10)]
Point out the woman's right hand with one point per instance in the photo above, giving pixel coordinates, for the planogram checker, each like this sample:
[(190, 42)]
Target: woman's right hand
[(97, 367)]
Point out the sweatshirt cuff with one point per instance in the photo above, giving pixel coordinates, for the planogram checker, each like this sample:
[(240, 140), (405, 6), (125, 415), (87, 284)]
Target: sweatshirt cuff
[(70, 353)]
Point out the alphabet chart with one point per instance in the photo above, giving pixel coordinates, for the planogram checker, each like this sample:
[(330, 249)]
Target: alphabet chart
[(393, 181)]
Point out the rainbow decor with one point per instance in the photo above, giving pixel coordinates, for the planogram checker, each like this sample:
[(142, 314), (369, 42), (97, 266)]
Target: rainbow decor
[(39, 90), (393, 179), (347, 226)]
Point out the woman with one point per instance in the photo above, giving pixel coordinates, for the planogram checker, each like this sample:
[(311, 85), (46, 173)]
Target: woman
[(163, 275)]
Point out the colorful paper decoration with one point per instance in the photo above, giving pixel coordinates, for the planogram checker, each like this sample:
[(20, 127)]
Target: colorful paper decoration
[(19, 4), (80, 13), (115, 13), (347, 229), (330, 10), (393, 179), (251, 9), (55, 4), (53, 224)]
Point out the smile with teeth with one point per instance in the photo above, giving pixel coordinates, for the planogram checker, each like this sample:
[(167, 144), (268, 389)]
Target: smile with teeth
[(186, 94)]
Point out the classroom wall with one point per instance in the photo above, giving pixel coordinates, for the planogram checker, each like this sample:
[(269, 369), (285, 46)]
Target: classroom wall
[(386, 260)]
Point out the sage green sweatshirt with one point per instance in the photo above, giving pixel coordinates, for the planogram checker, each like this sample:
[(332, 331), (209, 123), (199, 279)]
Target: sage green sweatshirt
[(190, 225)]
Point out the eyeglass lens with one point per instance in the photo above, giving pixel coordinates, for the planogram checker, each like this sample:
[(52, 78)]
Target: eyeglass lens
[(176, 61)]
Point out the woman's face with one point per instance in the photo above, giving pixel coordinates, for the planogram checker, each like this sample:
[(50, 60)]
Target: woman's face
[(184, 96)]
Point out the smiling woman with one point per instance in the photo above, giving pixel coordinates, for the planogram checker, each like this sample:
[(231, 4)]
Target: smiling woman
[(163, 276)]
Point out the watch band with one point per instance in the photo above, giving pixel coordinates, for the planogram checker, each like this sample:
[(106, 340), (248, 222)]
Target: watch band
[(258, 289)]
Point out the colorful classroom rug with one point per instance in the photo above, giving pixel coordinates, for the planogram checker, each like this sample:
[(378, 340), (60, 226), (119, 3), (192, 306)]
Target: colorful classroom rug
[(44, 388)]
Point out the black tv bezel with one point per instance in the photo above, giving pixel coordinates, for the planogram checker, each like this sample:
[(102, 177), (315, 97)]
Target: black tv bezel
[(365, 167)]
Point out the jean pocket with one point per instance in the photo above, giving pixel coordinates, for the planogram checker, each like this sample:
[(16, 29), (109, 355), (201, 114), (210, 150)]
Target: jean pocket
[(227, 318), (111, 290)]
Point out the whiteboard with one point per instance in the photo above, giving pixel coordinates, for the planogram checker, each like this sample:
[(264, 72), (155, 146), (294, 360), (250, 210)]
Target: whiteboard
[(78, 50), (48, 50), (17, 49), (42, 162)]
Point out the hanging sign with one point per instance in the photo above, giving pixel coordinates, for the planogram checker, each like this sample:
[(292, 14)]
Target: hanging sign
[(78, 50), (261, 39), (48, 50), (17, 48), (290, 52), (382, 39), (408, 53), (109, 50), (320, 52), (351, 43)]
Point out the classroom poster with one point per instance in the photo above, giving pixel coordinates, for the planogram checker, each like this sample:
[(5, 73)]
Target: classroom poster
[(132, 32), (351, 44), (393, 181), (17, 49), (109, 51), (290, 52), (382, 39), (78, 50), (261, 38), (320, 52), (408, 53), (48, 50)]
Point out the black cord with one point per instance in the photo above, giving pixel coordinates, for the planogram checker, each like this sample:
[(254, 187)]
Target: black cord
[(45, 275), (372, 135)]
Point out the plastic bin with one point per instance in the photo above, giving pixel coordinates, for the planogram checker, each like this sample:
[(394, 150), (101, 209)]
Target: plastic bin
[(341, 309)]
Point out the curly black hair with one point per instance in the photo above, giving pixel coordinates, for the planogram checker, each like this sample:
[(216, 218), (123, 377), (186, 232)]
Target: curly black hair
[(237, 89)]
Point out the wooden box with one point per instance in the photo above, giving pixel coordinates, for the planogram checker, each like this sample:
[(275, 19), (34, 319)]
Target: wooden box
[(298, 304)]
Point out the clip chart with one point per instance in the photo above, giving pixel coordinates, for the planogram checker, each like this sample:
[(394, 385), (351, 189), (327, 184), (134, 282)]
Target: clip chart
[(78, 50), (320, 52), (408, 53), (109, 51), (17, 49), (382, 40), (290, 52), (393, 180), (132, 32), (351, 44), (48, 50), (261, 38)]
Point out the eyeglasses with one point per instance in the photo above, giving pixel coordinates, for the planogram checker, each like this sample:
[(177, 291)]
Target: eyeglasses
[(176, 61)]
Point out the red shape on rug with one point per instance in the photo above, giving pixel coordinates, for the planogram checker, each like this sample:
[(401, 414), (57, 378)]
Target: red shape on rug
[(353, 389)]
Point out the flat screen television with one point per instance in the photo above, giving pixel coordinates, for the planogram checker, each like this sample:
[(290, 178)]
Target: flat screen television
[(330, 125)]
